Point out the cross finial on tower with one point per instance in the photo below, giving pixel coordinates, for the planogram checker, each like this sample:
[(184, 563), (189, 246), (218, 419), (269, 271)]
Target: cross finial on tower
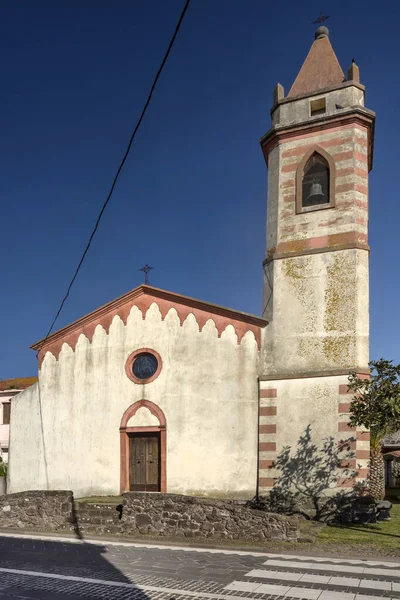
[(146, 270), (321, 19)]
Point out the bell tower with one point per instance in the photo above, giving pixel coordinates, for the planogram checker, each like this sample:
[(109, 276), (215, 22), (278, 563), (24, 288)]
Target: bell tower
[(316, 292)]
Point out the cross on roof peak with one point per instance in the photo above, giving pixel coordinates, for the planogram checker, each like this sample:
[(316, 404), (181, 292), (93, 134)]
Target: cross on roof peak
[(146, 269)]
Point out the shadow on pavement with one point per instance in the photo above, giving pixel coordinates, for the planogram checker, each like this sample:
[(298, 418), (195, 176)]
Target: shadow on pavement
[(68, 570)]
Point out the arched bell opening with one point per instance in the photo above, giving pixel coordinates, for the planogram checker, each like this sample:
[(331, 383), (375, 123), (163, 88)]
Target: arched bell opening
[(315, 181)]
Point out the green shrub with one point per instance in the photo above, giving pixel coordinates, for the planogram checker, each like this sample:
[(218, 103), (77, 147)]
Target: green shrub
[(3, 468)]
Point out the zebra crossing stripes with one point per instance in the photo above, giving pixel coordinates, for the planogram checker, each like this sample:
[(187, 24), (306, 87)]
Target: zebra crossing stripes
[(347, 561), (365, 569), (311, 578)]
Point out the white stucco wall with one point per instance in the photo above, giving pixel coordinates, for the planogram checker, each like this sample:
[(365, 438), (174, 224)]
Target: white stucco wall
[(207, 390), (321, 415), (320, 313)]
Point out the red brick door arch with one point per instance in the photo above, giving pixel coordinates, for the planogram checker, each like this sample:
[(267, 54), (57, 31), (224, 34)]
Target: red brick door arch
[(125, 433)]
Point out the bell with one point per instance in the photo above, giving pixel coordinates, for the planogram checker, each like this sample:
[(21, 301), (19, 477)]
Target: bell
[(315, 190)]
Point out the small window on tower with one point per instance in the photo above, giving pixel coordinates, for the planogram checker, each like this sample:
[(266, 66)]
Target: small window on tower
[(317, 107), (315, 184)]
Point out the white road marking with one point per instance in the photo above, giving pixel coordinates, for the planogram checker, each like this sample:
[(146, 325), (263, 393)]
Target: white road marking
[(328, 595), (287, 576), (349, 561), (327, 579), (311, 578), (365, 597), (324, 587), (346, 581), (290, 592), (376, 585), (305, 593), (322, 566), (276, 590)]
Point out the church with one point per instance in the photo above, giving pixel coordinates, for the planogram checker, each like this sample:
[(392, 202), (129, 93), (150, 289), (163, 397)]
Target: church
[(160, 392)]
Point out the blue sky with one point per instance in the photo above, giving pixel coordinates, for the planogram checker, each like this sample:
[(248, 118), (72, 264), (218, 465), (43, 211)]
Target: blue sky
[(192, 198)]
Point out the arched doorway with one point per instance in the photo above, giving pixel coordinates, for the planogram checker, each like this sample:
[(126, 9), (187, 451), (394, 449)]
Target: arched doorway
[(143, 448)]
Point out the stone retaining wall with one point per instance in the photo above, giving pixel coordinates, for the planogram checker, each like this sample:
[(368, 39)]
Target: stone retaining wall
[(37, 511), (190, 517), (145, 514)]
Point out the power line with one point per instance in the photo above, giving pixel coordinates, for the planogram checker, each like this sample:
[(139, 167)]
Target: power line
[(110, 193)]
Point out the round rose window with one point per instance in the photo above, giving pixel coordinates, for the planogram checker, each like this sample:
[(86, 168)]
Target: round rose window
[(145, 365)]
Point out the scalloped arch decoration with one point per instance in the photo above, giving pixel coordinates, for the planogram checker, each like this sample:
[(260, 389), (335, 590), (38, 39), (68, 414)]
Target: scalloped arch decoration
[(87, 325)]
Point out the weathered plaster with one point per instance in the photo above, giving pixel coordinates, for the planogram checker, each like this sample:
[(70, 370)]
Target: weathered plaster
[(316, 274), (320, 314), (207, 390), (298, 111)]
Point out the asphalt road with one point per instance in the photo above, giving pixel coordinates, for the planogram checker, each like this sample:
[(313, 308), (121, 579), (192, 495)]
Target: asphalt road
[(60, 569)]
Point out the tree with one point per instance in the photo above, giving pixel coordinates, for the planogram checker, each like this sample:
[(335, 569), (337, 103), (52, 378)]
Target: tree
[(376, 406)]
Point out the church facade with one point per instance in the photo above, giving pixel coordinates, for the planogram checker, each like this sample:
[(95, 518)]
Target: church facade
[(159, 392)]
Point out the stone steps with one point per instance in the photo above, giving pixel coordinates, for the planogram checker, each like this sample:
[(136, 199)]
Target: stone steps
[(98, 518)]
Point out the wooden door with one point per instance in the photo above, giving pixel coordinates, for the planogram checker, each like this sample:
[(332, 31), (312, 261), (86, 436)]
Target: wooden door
[(144, 462)]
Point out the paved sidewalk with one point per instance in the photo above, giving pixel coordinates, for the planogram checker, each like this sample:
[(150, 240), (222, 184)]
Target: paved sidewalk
[(60, 569)]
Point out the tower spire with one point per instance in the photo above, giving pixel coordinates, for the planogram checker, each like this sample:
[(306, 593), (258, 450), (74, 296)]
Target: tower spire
[(321, 68)]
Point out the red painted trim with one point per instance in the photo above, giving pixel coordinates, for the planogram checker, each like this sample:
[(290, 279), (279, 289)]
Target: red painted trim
[(124, 441), (332, 142), (266, 464), (269, 393), (363, 454), (337, 123), (344, 408), (267, 447), (129, 366), (363, 473), (270, 428), (267, 411), (323, 241), (345, 427), (132, 410), (363, 436), (344, 389), (124, 461), (142, 297), (149, 429), (352, 187), (267, 481)]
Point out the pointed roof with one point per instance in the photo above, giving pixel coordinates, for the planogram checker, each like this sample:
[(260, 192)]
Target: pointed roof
[(320, 70)]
